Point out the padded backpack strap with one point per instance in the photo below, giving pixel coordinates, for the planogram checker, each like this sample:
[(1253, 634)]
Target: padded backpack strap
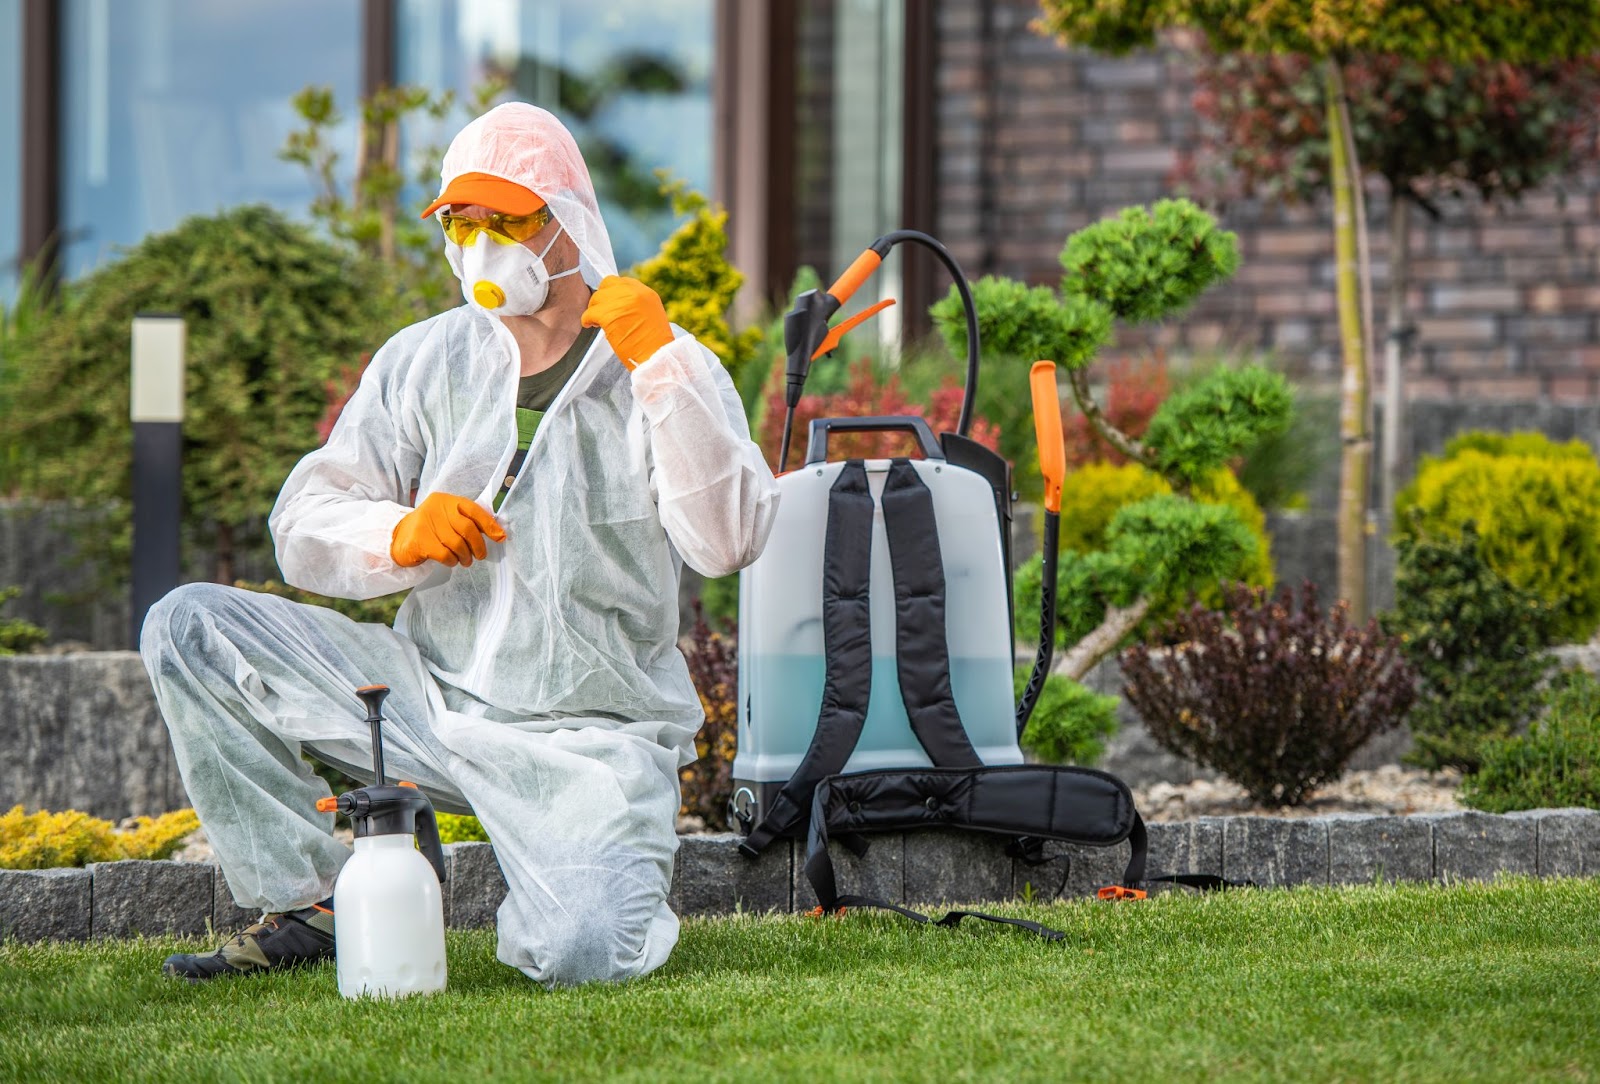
[(847, 645), (1076, 805), (922, 651)]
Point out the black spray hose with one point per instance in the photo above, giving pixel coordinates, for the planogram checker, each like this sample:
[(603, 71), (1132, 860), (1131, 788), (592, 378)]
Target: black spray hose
[(1047, 623), (969, 393)]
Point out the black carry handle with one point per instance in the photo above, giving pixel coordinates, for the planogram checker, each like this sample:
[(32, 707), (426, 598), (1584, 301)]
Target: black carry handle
[(817, 443), (428, 838)]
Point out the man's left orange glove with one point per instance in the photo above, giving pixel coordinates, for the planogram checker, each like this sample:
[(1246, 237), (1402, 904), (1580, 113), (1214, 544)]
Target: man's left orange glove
[(632, 317)]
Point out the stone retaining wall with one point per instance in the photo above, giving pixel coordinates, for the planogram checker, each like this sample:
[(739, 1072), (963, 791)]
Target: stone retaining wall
[(82, 732), (122, 899)]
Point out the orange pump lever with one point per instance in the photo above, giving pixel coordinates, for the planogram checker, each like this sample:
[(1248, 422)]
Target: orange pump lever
[(1047, 425), (836, 332)]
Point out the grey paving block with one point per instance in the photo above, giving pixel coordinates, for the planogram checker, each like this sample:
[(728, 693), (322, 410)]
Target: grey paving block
[(44, 904), (1193, 846), (1476, 846), (948, 866), (880, 873), (1364, 849), (1569, 842), (225, 914), (711, 877), (1075, 871), (475, 887), (140, 897), (1270, 851)]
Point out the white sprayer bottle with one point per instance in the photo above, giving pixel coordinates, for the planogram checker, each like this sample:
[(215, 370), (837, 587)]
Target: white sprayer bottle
[(388, 910)]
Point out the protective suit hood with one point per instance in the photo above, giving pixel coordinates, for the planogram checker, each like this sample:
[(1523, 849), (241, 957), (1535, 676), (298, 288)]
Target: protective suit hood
[(527, 145)]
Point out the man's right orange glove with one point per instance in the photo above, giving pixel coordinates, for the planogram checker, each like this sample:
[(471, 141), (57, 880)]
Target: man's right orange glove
[(444, 528)]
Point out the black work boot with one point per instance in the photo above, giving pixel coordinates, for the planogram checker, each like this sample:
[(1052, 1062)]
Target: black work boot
[(278, 941)]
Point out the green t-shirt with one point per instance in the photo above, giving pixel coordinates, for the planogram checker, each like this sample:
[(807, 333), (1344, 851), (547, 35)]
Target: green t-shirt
[(535, 393)]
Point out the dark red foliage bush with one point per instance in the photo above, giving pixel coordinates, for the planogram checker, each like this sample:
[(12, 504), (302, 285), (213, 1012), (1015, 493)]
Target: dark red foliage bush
[(1276, 697), (866, 395), (707, 784)]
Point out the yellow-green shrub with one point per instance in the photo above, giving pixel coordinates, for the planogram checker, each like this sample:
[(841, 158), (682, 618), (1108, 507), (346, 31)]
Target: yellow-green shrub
[(459, 828), (1536, 507), (696, 282), (45, 840), (1094, 494)]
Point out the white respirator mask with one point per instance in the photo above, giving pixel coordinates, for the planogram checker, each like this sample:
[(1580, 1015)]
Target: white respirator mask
[(503, 279)]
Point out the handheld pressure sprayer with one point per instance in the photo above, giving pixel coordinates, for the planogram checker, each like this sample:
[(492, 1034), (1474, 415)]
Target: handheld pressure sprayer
[(388, 909)]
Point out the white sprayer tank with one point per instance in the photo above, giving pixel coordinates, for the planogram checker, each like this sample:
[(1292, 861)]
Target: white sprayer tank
[(781, 658), (388, 920)]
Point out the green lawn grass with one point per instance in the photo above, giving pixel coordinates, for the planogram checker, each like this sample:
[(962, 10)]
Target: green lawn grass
[(1494, 982)]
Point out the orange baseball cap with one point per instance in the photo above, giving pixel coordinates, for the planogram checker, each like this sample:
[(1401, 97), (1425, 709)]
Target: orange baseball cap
[(487, 190)]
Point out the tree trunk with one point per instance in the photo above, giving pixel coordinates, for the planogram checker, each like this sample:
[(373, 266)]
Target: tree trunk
[(1355, 461), (1393, 347), (1082, 656)]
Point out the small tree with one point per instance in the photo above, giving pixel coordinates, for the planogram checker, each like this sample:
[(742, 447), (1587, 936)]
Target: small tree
[(1140, 266), (1331, 33), (1426, 128)]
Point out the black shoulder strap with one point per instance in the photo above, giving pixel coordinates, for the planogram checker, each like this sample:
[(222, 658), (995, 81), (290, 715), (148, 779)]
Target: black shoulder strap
[(922, 651), (847, 645)]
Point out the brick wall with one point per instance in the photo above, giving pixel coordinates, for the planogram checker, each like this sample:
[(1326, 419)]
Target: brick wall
[(1036, 141)]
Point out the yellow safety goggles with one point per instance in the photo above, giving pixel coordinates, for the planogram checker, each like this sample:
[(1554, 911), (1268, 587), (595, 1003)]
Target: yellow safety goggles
[(502, 229)]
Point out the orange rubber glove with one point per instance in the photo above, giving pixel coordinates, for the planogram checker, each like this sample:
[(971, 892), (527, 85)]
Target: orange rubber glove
[(444, 528), (632, 317)]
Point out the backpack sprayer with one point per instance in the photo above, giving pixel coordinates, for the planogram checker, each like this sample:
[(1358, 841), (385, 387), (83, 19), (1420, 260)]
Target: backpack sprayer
[(388, 910), (876, 655)]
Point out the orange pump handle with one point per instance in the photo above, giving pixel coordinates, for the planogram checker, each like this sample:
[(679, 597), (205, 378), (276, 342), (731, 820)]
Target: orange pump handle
[(837, 332), (327, 805), (1047, 426), (854, 275)]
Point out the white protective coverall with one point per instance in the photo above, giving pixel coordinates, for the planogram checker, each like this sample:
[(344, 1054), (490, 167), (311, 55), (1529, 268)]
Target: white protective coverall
[(541, 687)]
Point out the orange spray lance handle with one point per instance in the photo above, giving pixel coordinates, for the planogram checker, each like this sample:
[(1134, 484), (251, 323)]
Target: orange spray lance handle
[(854, 275), (1047, 426)]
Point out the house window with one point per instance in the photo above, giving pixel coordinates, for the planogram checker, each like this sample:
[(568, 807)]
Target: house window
[(10, 144), (179, 107)]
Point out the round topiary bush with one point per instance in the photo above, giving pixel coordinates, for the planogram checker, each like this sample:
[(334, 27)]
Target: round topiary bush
[(1536, 509), (1096, 492)]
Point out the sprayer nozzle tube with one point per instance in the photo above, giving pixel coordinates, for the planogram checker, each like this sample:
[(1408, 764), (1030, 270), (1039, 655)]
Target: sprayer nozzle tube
[(372, 696)]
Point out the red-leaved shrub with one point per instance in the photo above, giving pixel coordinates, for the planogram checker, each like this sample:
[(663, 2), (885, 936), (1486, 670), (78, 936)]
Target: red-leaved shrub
[(865, 396), (707, 784), (339, 392), (1276, 697)]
